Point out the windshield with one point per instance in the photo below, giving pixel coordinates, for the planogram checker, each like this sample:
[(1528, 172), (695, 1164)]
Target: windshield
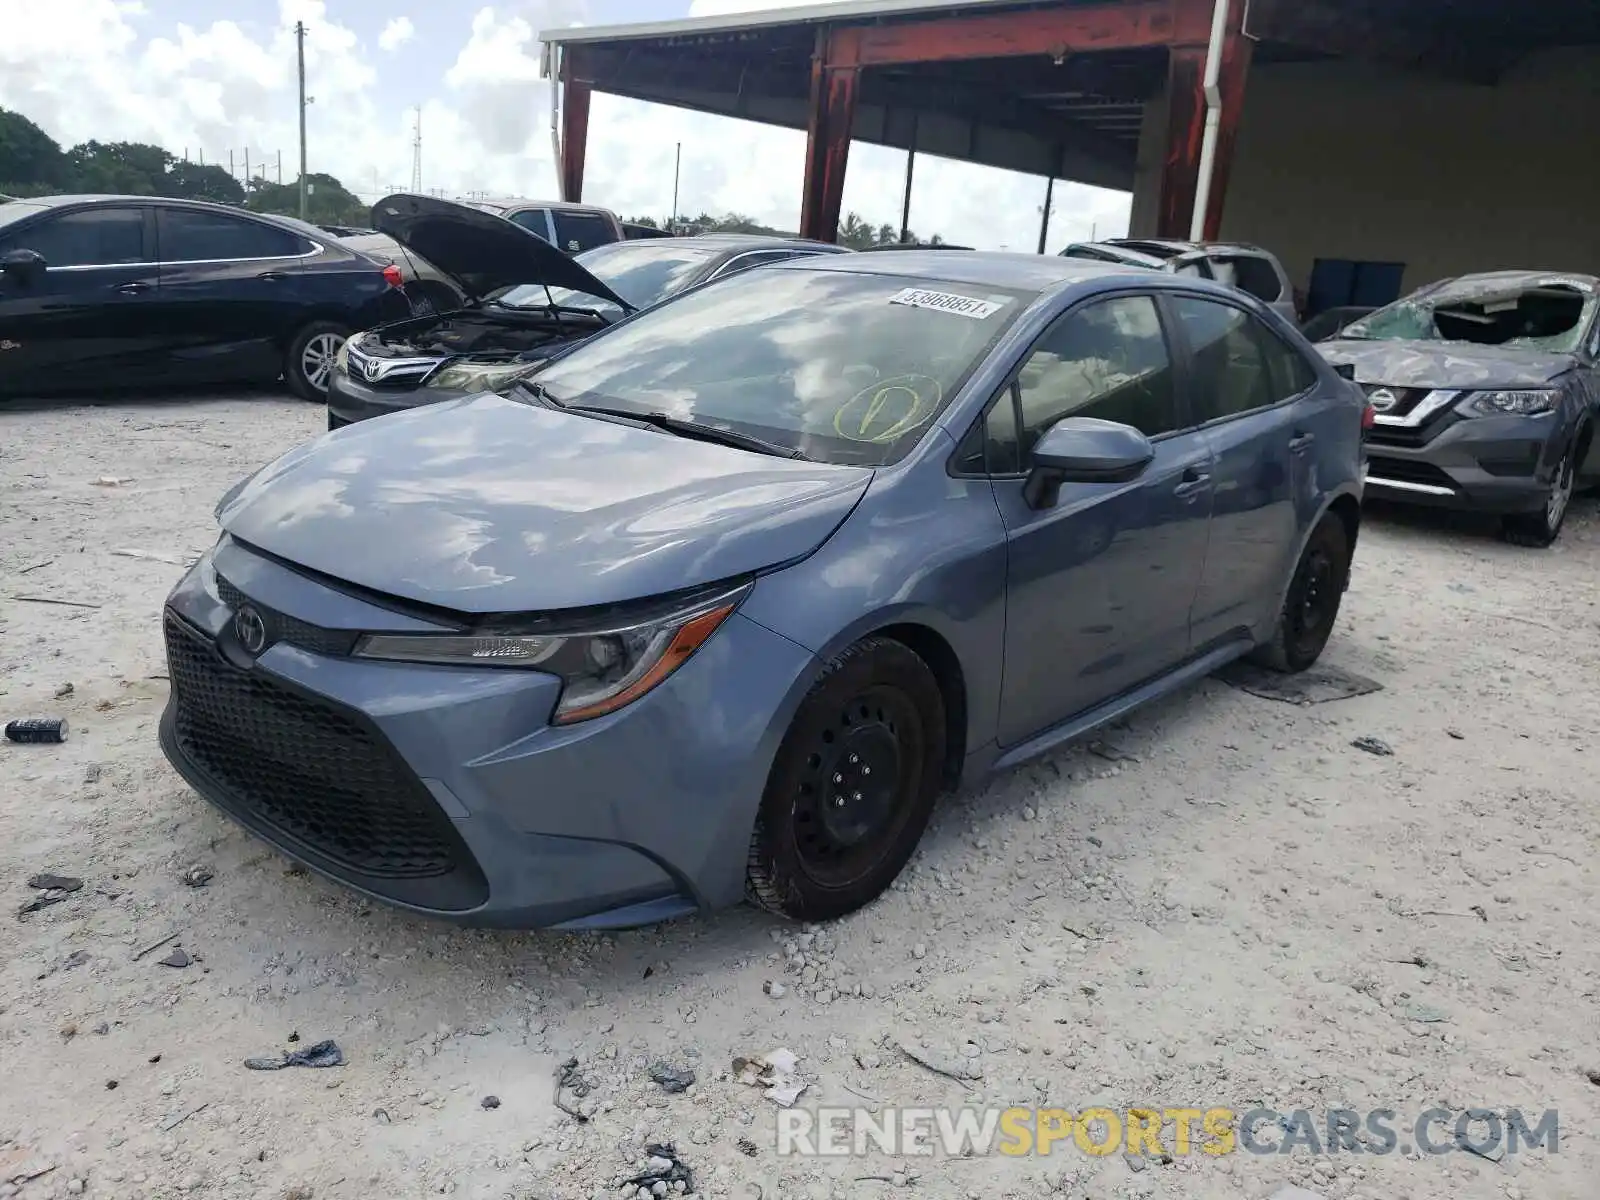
[(846, 368), (1530, 314), (642, 273)]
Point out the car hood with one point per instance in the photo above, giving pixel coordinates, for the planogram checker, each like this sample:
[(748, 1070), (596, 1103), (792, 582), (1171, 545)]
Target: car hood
[(488, 505), (1444, 364), (483, 253)]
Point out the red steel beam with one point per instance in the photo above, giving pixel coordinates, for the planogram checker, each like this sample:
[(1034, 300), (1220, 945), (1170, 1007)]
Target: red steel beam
[(1186, 121), (575, 93), (834, 86), (1067, 30)]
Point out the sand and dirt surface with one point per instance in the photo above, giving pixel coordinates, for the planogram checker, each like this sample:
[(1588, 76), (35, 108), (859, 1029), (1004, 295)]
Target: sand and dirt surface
[(1220, 904)]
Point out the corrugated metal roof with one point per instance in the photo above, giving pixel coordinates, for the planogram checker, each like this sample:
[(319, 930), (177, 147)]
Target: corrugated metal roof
[(840, 10)]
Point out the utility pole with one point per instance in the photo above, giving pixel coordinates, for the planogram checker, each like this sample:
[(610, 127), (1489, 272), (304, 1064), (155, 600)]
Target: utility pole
[(677, 162), (247, 168), (280, 168), (300, 52), (416, 155)]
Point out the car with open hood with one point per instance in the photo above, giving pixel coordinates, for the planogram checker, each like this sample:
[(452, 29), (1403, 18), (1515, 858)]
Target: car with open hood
[(718, 602), (527, 302), (1487, 390)]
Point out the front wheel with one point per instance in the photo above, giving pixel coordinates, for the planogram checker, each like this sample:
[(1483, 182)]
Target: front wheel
[(1542, 528), (308, 361), (1312, 604), (852, 787)]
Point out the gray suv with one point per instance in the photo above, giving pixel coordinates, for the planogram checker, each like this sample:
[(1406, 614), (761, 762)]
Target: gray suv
[(1251, 269)]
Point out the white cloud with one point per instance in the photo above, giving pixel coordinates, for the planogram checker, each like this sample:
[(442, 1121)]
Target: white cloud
[(396, 33), (109, 70)]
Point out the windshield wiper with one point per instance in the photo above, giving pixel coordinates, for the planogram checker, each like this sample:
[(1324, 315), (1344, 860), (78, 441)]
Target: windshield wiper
[(684, 428)]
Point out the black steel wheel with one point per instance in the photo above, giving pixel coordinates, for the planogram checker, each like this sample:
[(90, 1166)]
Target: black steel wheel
[(852, 786), (1311, 605)]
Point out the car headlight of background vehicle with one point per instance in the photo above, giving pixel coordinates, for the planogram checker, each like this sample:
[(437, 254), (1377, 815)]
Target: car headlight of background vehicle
[(603, 666), (341, 357), (1529, 403), (478, 377)]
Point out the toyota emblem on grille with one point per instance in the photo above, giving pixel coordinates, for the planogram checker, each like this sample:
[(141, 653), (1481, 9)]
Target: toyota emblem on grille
[(250, 627), (372, 368), (1383, 400)]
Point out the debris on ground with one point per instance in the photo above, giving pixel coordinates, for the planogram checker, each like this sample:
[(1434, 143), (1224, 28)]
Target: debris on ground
[(198, 876), (151, 555), (489, 1102), (37, 730), (567, 1078), (154, 946), (671, 1080), (52, 889), (774, 1071), (749, 1149), (1319, 685), (1373, 745), (63, 691), (173, 1120), (322, 1054), (179, 958), (957, 1069), (113, 480), (664, 1172)]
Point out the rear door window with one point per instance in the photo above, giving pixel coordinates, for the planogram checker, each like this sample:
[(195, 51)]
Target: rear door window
[(579, 231), (91, 237), (1239, 365), (1252, 274), (195, 235), (534, 220)]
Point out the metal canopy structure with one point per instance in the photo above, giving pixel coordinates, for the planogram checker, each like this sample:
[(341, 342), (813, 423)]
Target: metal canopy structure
[(1058, 89)]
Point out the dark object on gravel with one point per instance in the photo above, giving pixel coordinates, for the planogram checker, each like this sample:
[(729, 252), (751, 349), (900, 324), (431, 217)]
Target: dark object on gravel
[(672, 1079), (1373, 745), (1318, 685), (670, 1175), (323, 1054)]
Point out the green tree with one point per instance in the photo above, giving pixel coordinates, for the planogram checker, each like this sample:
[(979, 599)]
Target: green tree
[(329, 203), (209, 182), (29, 157), (122, 168)]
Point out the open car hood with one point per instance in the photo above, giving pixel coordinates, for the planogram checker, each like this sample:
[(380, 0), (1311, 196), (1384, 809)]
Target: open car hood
[(483, 253)]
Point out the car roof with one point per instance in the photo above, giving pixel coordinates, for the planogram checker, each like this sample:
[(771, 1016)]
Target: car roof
[(981, 268), (1175, 246), (1521, 279), (524, 202), (293, 224), (754, 241)]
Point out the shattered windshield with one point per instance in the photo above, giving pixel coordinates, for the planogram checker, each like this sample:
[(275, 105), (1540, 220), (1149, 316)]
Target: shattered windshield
[(1548, 314)]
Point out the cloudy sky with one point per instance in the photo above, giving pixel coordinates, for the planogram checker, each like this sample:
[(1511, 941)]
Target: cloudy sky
[(208, 78)]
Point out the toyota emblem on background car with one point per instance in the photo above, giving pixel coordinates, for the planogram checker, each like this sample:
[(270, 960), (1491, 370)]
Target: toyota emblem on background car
[(251, 629)]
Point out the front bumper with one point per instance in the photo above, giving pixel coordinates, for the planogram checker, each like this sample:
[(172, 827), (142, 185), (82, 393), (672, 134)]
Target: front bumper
[(1484, 464), (350, 400), (444, 790)]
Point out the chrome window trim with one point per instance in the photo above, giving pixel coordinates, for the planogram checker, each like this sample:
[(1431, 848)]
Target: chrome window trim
[(316, 249)]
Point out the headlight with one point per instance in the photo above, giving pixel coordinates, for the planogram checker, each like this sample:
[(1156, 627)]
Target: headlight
[(1520, 403), (603, 666), (478, 377), (341, 357)]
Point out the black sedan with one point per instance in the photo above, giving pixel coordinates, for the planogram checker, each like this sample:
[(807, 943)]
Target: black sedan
[(136, 291), (526, 300)]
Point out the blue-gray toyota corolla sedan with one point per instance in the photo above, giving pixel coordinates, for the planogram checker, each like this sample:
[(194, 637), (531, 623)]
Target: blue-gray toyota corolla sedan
[(717, 604)]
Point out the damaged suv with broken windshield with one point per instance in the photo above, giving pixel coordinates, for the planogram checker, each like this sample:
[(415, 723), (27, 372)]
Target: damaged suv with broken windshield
[(1486, 390)]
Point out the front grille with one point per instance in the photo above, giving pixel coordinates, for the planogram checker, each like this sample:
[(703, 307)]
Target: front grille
[(284, 628), (1407, 470), (1405, 398), (309, 770)]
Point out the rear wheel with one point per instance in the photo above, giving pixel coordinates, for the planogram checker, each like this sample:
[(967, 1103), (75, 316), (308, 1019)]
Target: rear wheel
[(1312, 604), (1540, 529), (852, 786), (308, 361)]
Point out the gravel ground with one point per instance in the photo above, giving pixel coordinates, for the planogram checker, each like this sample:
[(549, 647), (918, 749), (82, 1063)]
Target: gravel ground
[(1222, 904)]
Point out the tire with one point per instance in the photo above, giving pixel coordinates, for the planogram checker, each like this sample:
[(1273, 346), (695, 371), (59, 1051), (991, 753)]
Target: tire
[(1311, 606), (1538, 530), (814, 857), (313, 343)]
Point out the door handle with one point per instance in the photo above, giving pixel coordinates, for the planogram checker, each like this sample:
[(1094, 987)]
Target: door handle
[(133, 289), (271, 276), (1194, 482), (1300, 443)]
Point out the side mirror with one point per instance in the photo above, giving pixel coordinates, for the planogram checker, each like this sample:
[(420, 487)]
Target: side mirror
[(23, 267), (1084, 450), (1345, 371)]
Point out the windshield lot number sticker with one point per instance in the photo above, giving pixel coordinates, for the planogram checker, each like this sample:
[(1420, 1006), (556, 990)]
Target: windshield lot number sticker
[(962, 306)]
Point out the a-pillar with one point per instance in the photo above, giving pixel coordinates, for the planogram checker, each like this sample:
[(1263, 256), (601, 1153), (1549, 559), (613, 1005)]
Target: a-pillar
[(575, 92), (834, 79), (1186, 120)]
